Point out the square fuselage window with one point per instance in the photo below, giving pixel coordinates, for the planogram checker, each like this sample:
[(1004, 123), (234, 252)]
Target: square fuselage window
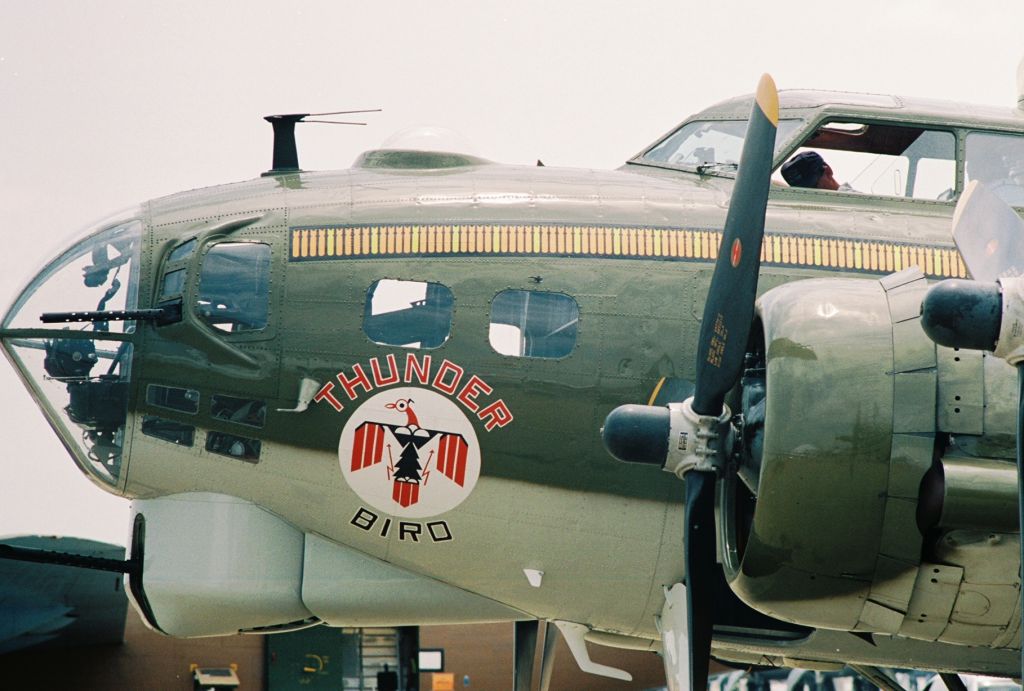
[(409, 314), (233, 446), (533, 324), (173, 398), (242, 411), (168, 430)]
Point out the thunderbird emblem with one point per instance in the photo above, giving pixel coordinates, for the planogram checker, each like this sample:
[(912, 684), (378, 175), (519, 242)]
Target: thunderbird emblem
[(397, 442)]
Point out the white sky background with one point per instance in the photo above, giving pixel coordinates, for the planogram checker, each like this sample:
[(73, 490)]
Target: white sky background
[(106, 104)]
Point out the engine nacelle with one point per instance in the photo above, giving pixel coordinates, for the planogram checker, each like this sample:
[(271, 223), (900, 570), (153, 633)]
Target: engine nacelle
[(860, 409)]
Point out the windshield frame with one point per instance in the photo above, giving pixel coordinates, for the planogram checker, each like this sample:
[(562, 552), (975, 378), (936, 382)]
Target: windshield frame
[(789, 133)]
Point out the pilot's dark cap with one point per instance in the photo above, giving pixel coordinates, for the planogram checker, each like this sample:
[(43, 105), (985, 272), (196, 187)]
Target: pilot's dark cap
[(804, 169)]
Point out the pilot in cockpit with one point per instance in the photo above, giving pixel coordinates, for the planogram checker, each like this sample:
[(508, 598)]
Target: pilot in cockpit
[(808, 169)]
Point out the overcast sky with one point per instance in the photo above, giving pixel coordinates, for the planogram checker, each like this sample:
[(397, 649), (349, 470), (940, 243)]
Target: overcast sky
[(106, 104)]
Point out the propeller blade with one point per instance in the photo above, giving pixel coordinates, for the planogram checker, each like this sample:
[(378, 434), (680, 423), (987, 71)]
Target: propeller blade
[(642, 434), (699, 555), (724, 329), (989, 234), (729, 309)]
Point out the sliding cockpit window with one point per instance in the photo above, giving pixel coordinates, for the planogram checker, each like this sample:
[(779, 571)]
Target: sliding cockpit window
[(234, 287)]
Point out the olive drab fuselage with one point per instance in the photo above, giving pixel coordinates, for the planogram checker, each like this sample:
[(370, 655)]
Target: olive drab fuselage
[(399, 372)]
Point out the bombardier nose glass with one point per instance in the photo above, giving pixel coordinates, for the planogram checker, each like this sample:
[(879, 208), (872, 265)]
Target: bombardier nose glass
[(98, 273), (80, 374)]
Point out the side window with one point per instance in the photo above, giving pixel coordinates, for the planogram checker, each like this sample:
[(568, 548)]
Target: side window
[(173, 282), (242, 411), (528, 323), (234, 287), (410, 314), (878, 159), (233, 446), (173, 398), (997, 161), (182, 251), (168, 430)]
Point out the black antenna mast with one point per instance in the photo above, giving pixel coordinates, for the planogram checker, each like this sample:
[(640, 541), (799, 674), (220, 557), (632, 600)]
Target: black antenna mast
[(286, 155)]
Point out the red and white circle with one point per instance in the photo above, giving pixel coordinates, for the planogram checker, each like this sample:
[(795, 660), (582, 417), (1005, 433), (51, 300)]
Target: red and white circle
[(410, 452)]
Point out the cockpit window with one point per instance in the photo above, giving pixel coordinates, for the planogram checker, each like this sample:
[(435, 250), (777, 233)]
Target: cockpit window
[(182, 251), (877, 159), (712, 145), (997, 160), (234, 287), (528, 323), (410, 314), (174, 283)]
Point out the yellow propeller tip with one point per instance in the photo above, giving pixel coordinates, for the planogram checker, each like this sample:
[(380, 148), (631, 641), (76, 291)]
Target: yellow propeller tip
[(768, 98)]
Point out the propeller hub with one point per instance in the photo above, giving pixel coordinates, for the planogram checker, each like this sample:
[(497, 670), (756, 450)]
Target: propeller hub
[(637, 434), (963, 314), (676, 438)]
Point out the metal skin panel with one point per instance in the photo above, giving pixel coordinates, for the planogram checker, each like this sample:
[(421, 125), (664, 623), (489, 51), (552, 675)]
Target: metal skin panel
[(961, 394), (809, 560), (215, 565), (1000, 409), (346, 588), (987, 606), (935, 592)]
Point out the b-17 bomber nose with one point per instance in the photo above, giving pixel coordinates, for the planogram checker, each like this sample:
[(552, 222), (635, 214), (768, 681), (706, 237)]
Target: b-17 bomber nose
[(78, 370)]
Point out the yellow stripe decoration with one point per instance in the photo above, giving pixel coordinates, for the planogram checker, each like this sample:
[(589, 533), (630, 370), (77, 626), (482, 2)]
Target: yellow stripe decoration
[(614, 242)]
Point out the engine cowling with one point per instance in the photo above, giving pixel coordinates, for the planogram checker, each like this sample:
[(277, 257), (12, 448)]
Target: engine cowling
[(849, 520)]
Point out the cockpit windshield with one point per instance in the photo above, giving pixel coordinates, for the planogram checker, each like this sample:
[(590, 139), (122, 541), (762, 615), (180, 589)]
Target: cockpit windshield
[(710, 146), (80, 374)]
